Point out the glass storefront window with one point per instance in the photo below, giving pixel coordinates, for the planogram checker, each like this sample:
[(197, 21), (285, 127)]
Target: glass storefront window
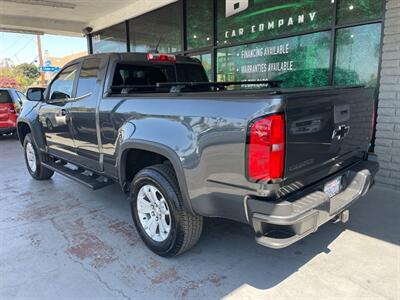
[(245, 20), (112, 39), (301, 61), (357, 55), (199, 23), (157, 28), (353, 11), (206, 62)]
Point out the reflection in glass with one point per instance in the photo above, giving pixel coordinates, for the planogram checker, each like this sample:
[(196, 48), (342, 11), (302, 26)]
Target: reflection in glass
[(301, 61), (157, 28), (112, 39), (206, 62), (352, 11), (357, 55), (245, 20), (199, 23), (62, 86)]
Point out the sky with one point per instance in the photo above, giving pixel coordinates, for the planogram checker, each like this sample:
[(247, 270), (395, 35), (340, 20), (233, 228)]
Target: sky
[(21, 48)]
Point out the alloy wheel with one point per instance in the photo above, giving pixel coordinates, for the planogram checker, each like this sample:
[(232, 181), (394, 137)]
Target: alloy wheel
[(31, 157), (154, 213)]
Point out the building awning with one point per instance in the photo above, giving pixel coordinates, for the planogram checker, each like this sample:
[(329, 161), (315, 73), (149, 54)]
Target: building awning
[(72, 16)]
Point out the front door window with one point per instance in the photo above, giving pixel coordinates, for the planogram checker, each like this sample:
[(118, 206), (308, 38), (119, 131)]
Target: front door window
[(62, 86)]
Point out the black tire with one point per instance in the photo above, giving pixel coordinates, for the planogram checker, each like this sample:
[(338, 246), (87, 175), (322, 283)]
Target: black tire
[(41, 173), (186, 228)]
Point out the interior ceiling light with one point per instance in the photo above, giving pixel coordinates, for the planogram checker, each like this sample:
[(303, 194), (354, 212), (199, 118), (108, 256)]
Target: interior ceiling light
[(44, 3)]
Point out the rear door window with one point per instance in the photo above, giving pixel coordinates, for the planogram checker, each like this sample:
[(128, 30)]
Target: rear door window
[(89, 76), (5, 97)]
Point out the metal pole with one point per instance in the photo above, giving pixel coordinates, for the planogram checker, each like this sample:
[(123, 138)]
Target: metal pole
[(39, 45)]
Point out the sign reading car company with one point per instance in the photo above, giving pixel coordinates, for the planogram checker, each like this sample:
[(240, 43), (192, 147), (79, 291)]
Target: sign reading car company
[(246, 20)]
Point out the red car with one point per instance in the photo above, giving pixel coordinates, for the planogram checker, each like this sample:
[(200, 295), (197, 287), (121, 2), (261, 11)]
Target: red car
[(10, 105)]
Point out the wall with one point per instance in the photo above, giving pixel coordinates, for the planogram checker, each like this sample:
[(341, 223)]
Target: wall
[(388, 127)]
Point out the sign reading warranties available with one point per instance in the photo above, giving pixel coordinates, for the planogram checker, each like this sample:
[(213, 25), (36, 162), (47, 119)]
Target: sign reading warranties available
[(299, 61), (247, 20)]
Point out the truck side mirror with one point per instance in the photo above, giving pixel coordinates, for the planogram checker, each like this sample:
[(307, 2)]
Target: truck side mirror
[(35, 94)]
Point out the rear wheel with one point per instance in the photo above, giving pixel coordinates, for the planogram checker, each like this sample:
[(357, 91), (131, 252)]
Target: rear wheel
[(159, 215), (34, 159)]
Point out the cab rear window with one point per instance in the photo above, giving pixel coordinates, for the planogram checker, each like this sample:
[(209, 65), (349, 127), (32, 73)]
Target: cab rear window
[(135, 78), (128, 75), (5, 97), (190, 73)]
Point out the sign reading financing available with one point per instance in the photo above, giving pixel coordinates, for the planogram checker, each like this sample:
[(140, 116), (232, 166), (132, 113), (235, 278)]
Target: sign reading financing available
[(300, 61), (247, 20)]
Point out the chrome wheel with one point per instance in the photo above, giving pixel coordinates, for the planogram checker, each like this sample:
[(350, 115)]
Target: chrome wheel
[(31, 157), (154, 213)]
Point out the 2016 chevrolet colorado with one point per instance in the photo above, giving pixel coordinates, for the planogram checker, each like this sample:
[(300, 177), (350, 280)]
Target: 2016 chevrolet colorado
[(285, 161)]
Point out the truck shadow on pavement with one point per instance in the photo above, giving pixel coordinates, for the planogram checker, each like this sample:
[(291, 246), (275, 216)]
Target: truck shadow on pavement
[(260, 267), (263, 268)]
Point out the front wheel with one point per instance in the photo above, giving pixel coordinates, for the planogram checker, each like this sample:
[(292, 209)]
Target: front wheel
[(34, 159), (159, 215)]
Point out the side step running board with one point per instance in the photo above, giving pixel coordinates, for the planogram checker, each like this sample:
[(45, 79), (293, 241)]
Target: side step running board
[(88, 181)]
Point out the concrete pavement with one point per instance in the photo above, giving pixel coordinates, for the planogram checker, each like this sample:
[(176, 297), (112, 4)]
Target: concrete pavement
[(59, 240)]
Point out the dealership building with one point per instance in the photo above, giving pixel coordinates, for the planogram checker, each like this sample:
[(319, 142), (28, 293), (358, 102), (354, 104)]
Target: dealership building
[(304, 43)]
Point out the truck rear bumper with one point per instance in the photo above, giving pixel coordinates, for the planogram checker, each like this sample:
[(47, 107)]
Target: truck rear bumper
[(280, 224)]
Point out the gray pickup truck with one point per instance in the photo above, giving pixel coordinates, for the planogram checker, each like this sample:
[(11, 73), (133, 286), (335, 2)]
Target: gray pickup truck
[(284, 161)]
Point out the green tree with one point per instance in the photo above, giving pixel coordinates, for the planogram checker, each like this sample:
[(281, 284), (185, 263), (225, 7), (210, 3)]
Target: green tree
[(28, 70), (24, 74)]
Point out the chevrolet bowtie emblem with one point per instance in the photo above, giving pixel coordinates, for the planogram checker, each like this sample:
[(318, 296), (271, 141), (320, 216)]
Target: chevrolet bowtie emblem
[(341, 132)]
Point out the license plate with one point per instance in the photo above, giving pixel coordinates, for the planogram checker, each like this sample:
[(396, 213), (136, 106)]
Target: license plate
[(333, 187)]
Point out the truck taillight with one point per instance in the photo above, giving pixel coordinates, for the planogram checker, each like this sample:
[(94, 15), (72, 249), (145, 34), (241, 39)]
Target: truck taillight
[(266, 148), (161, 57)]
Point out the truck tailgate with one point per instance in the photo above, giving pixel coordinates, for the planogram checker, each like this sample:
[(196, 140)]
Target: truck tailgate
[(326, 131)]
